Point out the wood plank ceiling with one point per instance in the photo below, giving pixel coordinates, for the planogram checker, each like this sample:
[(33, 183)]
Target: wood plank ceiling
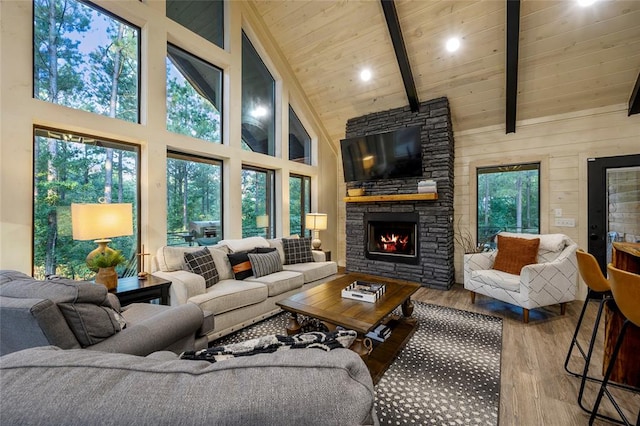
[(571, 57)]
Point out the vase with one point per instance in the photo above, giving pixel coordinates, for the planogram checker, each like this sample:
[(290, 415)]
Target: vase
[(108, 277)]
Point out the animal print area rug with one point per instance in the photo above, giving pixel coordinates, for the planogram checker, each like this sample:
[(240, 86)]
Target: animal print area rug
[(447, 374)]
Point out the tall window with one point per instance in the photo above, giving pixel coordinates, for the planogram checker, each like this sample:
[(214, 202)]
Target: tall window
[(85, 58), (508, 200), (258, 102), (299, 140), (299, 203), (258, 208), (205, 18), (194, 200), (72, 168), (194, 96)]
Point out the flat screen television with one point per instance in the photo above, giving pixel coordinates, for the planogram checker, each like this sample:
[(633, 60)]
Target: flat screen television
[(389, 155)]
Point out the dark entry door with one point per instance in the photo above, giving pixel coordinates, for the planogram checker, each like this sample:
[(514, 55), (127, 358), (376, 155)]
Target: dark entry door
[(613, 200)]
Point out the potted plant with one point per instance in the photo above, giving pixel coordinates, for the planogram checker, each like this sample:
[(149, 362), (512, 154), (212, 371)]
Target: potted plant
[(105, 264)]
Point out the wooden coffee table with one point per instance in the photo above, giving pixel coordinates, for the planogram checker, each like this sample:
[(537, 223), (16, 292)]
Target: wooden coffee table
[(326, 303)]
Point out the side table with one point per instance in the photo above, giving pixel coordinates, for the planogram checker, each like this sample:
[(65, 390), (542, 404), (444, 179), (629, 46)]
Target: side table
[(134, 290), (327, 255)]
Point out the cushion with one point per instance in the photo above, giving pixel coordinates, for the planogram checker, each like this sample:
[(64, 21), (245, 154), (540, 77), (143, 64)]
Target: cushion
[(201, 262), (515, 253), (313, 271), (297, 250), (229, 295), (265, 263), (245, 244), (267, 344), (241, 265), (172, 258), (220, 258), (548, 242), (91, 323), (280, 282)]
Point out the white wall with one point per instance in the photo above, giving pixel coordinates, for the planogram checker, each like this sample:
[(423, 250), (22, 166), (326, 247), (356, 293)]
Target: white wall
[(19, 113), (563, 143)]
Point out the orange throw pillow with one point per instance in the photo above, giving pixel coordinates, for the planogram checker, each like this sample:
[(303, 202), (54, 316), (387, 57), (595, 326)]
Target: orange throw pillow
[(515, 253)]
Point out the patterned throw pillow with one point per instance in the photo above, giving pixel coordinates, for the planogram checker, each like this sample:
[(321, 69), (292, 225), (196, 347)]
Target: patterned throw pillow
[(201, 262), (240, 264), (515, 253), (265, 263), (297, 250)]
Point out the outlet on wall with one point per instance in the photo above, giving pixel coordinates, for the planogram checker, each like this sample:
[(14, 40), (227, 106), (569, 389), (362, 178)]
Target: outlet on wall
[(565, 222), (558, 212)]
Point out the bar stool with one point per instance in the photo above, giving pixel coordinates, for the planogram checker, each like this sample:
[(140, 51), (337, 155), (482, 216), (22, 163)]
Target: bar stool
[(599, 289), (625, 287)]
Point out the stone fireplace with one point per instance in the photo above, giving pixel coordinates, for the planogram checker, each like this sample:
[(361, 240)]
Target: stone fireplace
[(410, 239)]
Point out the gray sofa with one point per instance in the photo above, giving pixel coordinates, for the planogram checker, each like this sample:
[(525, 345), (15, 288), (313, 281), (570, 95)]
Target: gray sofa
[(79, 314), (294, 387), (235, 303)]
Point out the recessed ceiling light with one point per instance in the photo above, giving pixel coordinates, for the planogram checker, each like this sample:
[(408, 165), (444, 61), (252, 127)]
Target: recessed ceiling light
[(585, 3), (365, 74), (453, 44)]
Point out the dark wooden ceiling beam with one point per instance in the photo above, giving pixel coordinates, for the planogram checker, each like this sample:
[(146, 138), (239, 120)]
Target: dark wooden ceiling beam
[(634, 100), (391, 15), (513, 41)]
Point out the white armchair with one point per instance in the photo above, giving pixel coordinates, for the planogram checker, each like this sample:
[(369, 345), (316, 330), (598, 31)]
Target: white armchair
[(553, 280)]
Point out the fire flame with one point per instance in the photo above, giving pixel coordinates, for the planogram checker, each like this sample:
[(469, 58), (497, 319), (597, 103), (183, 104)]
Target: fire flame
[(392, 243)]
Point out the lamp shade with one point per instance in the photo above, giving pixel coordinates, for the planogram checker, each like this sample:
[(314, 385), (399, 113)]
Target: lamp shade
[(262, 221), (316, 221), (97, 221)]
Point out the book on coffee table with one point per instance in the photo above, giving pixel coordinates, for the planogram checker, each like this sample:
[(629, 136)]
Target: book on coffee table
[(365, 291)]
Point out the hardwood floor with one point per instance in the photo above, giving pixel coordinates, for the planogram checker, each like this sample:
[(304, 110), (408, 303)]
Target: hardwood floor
[(535, 389)]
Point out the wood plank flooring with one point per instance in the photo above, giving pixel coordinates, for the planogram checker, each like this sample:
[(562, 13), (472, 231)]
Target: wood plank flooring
[(535, 389)]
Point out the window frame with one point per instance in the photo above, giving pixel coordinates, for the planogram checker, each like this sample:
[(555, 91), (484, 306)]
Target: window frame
[(272, 135), (309, 148), (221, 95), (138, 64), (107, 143), (221, 19), (543, 187), (178, 155), (270, 202), (305, 183)]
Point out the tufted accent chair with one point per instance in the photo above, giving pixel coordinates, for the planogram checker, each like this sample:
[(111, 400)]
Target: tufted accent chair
[(553, 280)]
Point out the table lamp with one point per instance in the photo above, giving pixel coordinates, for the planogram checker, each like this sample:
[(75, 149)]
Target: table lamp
[(99, 222), (316, 222)]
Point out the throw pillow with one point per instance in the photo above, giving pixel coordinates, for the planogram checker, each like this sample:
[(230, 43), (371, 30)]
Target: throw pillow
[(201, 262), (297, 250), (264, 249), (241, 265), (265, 263), (515, 253)]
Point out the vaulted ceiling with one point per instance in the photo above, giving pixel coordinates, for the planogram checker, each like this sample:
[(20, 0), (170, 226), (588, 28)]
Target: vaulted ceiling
[(570, 57)]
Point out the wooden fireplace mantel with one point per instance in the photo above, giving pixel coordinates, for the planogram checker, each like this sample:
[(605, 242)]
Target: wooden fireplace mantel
[(393, 197)]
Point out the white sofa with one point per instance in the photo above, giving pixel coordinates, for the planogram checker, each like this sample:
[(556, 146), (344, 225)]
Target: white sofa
[(236, 304), (553, 280)]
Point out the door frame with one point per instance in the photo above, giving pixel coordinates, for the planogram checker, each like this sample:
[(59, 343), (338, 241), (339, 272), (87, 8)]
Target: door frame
[(597, 206)]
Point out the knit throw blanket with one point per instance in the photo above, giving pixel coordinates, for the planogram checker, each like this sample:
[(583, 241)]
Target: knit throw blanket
[(272, 343)]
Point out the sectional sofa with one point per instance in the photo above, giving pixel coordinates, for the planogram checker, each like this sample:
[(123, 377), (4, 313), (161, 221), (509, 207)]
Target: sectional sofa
[(237, 299), (49, 386)]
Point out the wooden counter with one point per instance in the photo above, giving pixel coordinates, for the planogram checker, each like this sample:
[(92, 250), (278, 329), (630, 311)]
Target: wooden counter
[(626, 256)]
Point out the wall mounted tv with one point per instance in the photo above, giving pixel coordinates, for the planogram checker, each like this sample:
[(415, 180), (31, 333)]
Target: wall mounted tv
[(390, 155)]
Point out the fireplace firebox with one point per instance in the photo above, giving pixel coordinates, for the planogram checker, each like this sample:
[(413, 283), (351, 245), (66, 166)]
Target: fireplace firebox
[(392, 237)]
